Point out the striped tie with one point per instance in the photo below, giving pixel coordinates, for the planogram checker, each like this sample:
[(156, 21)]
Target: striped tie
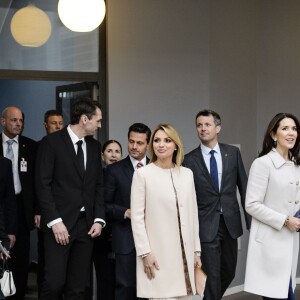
[(139, 165)]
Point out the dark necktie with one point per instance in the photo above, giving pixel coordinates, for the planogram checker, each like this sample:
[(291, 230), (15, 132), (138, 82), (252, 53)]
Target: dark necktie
[(80, 157), (139, 165), (214, 170)]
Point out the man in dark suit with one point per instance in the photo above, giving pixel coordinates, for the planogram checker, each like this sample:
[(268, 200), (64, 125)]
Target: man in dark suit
[(218, 171), (8, 200), (70, 191), (22, 151), (53, 121), (118, 178)]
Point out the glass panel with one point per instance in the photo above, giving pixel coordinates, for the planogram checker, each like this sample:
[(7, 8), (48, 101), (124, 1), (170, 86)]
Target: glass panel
[(64, 51)]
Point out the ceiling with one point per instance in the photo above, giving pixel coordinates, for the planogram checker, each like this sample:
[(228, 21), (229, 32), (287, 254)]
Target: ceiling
[(46, 5)]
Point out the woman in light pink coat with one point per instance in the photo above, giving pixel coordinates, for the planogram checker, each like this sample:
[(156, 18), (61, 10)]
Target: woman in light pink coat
[(164, 219), (272, 199)]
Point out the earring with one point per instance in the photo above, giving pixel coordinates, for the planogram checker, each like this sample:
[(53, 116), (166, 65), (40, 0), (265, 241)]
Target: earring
[(275, 142)]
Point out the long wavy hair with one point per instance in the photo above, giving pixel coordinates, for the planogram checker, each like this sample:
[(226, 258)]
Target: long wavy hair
[(268, 142)]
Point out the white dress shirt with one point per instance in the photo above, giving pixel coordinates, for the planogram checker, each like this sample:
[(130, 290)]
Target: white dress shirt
[(135, 162)]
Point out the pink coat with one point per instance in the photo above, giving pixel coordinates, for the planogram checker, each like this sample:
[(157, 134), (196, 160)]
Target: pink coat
[(155, 228)]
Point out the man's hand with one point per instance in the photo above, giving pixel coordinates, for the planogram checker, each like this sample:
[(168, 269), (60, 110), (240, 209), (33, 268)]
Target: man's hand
[(95, 230), (127, 214), (37, 221), (12, 240), (61, 233)]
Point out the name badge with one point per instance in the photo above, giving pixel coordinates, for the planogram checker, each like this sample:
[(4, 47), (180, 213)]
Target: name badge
[(23, 165)]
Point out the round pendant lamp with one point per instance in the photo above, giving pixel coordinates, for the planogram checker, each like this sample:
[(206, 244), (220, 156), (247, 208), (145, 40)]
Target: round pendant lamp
[(81, 15), (30, 26)]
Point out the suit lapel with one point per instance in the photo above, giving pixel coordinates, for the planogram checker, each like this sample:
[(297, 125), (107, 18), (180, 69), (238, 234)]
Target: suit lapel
[(128, 167), (201, 163), (224, 155), (90, 152), (1, 148), (22, 150)]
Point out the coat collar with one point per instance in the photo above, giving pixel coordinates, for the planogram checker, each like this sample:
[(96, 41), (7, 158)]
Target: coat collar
[(277, 159)]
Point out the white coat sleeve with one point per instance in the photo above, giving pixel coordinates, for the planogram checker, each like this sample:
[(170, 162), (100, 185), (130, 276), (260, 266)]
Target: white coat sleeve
[(255, 196), (138, 206)]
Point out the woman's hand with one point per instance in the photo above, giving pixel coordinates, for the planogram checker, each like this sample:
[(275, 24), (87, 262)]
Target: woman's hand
[(197, 261), (293, 224), (150, 264)]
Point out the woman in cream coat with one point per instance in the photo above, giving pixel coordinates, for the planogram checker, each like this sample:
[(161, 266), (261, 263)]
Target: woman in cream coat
[(165, 221), (273, 198)]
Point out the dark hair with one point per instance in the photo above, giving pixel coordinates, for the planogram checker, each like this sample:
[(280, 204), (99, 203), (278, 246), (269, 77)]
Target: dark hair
[(268, 142), (83, 106), (173, 134), (140, 128), (107, 143), (207, 113), (50, 113)]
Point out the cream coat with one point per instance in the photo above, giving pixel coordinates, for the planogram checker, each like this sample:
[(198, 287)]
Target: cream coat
[(273, 193), (155, 228)]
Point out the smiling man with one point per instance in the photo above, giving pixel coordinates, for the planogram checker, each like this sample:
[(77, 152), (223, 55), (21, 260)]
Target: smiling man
[(70, 191), (218, 171), (118, 179)]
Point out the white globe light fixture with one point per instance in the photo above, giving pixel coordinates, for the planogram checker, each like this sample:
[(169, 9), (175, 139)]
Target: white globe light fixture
[(30, 26), (81, 15)]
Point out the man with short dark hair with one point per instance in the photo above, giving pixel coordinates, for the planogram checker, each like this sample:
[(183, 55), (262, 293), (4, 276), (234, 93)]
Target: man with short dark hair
[(118, 178), (53, 121), (70, 191), (218, 171), (21, 151)]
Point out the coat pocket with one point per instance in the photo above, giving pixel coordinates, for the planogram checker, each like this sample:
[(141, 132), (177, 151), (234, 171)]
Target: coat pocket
[(261, 233)]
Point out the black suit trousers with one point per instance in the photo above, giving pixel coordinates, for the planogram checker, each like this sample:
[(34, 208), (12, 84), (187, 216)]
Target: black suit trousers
[(19, 262), (104, 262), (219, 259), (67, 268), (126, 276)]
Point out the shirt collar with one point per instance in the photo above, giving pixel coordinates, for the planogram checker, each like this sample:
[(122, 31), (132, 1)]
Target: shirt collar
[(207, 150), (5, 138), (74, 137), (135, 161)]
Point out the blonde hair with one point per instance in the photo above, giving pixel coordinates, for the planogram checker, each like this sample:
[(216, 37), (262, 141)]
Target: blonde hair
[(172, 133)]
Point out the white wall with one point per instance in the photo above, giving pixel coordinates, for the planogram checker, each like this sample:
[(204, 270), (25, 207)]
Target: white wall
[(169, 59), (158, 65)]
